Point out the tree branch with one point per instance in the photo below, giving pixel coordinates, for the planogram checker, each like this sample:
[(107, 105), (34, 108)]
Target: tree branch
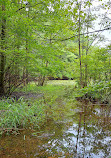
[(30, 6), (74, 35), (81, 34)]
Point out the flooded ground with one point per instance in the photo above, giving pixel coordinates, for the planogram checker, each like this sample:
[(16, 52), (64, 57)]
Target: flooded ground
[(84, 131)]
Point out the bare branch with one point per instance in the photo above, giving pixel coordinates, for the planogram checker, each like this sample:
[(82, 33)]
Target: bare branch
[(74, 35), (82, 34)]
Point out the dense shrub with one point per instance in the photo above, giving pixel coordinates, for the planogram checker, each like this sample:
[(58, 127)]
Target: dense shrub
[(97, 92)]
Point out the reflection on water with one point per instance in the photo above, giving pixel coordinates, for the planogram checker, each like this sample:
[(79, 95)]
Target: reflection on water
[(86, 133)]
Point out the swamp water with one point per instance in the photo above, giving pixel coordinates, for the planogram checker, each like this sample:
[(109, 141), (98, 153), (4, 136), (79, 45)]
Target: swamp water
[(84, 131)]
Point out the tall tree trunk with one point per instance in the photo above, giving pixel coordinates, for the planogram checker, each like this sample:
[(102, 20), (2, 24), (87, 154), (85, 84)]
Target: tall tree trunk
[(27, 49), (86, 73), (79, 29), (25, 69), (87, 48), (82, 55), (2, 56), (26, 62)]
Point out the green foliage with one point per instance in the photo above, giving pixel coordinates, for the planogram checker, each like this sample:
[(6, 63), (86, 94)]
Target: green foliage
[(31, 112), (16, 114), (43, 41), (51, 88), (99, 91)]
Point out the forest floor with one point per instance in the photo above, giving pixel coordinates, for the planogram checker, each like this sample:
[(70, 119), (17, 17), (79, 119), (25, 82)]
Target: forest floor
[(18, 95)]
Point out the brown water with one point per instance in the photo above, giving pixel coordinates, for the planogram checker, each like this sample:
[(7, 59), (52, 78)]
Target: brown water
[(84, 132)]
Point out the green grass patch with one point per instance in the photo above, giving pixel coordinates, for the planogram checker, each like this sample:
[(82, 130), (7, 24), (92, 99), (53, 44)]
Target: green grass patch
[(62, 82), (17, 114), (31, 112), (50, 86)]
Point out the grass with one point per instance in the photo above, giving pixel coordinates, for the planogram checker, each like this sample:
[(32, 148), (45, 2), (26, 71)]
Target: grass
[(49, 86), (31, 112), (62, 82), (16, 114)]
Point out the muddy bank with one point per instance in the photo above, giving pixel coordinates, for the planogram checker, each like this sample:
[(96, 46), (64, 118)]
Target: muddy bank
[(94, 100)]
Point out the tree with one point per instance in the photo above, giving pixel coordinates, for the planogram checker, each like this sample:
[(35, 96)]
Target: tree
[(36, 41), (2, 55)]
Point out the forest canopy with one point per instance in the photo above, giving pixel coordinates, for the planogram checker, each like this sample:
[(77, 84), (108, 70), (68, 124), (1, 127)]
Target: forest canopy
[(53, 39)]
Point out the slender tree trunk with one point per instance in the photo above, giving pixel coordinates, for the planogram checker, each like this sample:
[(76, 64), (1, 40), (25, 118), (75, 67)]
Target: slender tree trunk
[(27, 50), (26, 62), (25, 69), (83, 74), (87, 48), (2, 56), (79, 29), (86, 73), (24, 82)]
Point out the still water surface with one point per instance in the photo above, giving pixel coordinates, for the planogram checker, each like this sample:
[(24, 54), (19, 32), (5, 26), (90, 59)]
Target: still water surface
[(85, 132)]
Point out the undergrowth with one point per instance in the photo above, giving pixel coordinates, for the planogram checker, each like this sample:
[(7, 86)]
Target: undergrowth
[(100, 91), (31, 112), (19, 114), (23, 113)]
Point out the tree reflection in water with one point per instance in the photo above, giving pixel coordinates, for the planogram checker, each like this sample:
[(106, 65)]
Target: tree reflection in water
[(84, 134)]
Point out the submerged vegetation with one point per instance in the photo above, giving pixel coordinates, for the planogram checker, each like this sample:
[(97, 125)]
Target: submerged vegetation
[(30, 106), (15, 115), (29, 109), (49, 122)]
